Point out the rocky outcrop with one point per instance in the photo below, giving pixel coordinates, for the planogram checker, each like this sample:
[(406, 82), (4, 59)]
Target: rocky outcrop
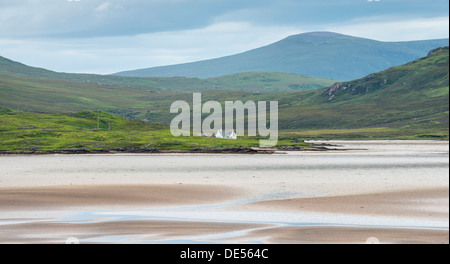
[(369, 83), (335, 89), (436, 50)]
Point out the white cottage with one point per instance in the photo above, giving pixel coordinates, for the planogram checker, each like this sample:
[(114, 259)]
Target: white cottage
[(226, 134)]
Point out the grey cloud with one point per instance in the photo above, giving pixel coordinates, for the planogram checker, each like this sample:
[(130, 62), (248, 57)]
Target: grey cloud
[(61, 18), (97, 18)]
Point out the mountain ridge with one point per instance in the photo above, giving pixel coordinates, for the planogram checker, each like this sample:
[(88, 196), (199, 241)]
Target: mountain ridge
[(320, 54)]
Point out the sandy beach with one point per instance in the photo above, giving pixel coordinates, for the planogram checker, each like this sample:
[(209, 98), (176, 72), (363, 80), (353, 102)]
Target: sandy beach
[(396, 191)]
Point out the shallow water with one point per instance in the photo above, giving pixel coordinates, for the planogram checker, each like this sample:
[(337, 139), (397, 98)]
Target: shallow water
[(367, 167)]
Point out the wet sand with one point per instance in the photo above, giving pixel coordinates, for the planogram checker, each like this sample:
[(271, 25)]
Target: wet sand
[(111, 196), (420, 203), (395, 191), (134, 231), (184, 232), (352, 235)]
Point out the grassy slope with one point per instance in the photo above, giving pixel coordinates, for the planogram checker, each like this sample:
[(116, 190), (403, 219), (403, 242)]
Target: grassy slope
[(255, 82), (269, 82), (408, 101), (22, 132)]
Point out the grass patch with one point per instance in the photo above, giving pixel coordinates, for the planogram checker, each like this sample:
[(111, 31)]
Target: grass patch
[(90, 131)]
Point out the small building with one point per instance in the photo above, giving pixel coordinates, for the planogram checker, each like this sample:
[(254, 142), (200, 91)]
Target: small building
[(226, 134)]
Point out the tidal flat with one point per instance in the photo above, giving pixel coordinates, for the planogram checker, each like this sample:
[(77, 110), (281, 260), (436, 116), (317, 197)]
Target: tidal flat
[(396, 191)]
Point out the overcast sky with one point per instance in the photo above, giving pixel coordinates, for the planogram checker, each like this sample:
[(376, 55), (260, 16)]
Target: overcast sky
[(107, 36)]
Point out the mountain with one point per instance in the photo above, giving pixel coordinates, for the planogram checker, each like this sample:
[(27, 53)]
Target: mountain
[(407, 101), (414, 96), (258, 82), (410, 101), (320, 54)]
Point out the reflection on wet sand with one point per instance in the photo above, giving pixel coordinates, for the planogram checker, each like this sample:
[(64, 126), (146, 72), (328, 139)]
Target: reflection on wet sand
[(396, 191)]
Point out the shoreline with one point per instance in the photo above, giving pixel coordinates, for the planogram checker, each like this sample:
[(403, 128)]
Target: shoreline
[(249, 150), (315, 146)]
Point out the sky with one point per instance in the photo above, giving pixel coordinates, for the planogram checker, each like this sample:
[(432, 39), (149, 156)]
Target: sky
[(108, 36)]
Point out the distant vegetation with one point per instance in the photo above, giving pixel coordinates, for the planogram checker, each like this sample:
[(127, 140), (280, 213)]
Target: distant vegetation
[(88, 131), (254, 82), (404, 102), (413, 97), (410, 101)]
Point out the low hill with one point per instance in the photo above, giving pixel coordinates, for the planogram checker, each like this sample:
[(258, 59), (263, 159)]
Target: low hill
[(266, 82)]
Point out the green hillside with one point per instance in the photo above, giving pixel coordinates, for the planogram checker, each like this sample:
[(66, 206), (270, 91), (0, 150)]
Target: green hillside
[(267, 82), (88, 131), (320, 54), (404, 100), (409, 101)]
